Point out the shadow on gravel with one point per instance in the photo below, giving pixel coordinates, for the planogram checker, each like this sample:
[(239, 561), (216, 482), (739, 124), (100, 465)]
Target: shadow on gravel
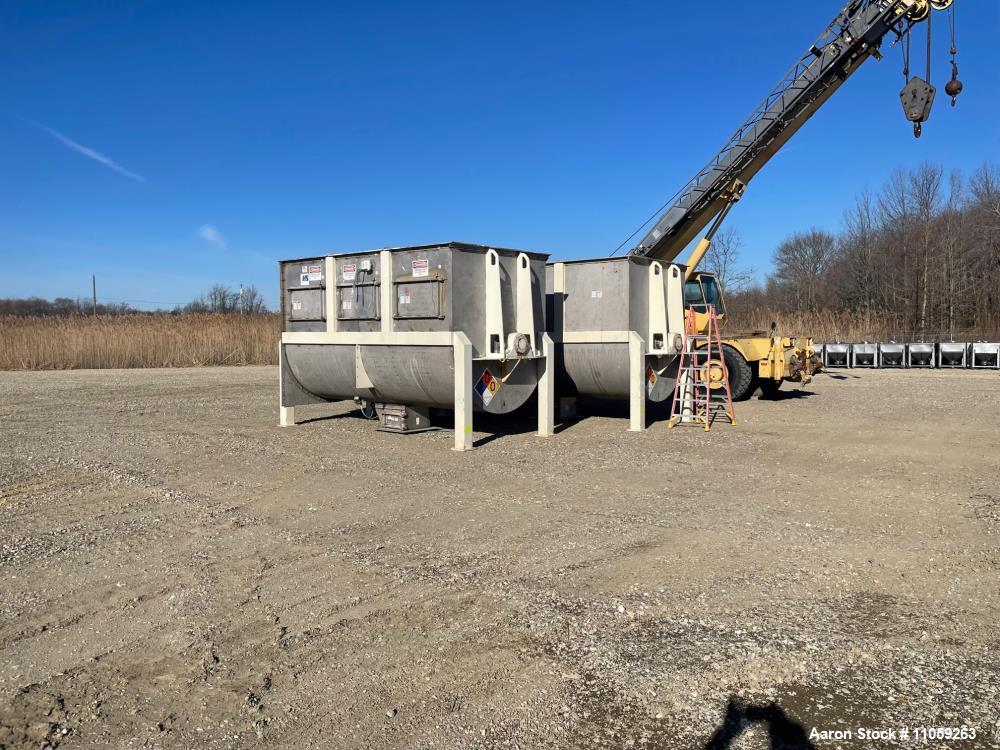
[(615, 409), (783, 732), (353, 414), (787, 395), (519, 422)]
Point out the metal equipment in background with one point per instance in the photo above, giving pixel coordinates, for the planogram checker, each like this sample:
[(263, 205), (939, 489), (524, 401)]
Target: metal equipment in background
[(864, 355), (985, 355), (402, 331), (920, 354), (953, 354), (837, 355), (891, 354)]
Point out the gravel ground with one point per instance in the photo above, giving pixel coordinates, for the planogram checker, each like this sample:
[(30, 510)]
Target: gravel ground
[(177, 571)]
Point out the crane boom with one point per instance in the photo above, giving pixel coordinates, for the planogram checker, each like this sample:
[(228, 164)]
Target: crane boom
[(850, 39)]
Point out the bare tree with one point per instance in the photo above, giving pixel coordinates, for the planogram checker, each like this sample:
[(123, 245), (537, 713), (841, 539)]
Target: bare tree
[(920, 257), (61, 306), (860, 282), (221, 299), (925, 188), (723, 259), (801, 262), (252, 301)]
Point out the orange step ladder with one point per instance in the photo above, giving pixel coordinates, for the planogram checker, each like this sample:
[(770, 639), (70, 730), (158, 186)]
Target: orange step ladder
[(701, 391)]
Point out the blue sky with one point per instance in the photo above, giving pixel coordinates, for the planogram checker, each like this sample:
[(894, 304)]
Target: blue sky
[(169, 146)]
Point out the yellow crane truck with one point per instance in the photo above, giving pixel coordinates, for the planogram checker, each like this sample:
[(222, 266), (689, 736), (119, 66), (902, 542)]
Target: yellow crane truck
[(856, 34)]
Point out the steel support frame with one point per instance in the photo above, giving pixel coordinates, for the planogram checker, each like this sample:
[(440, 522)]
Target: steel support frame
[(286, 414), (547, 388)]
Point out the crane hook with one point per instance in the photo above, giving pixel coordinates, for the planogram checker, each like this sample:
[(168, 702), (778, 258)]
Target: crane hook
[(954, 87)]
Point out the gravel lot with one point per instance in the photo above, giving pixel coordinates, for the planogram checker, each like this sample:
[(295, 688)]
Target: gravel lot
[(177, 571)]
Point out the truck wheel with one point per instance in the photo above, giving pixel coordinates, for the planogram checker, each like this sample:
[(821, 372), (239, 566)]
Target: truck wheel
[(740, 374)]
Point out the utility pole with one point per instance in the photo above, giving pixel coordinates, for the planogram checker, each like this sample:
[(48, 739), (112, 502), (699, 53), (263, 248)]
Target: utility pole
[(243, 308), (93, 290)]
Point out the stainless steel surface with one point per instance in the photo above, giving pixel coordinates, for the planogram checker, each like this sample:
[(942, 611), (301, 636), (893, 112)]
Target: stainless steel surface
[(986, 354), (953, 354), (837, 355), (920, 354), (892, 355), (606, 294), (358, 281), (602, 370), (435, 288), (864, 354), (302, 300)]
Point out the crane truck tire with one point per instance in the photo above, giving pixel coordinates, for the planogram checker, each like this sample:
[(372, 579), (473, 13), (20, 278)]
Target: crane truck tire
[(741, 379)]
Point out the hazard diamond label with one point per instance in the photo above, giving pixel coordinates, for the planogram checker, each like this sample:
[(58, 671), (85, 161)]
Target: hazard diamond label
[(487, 387)]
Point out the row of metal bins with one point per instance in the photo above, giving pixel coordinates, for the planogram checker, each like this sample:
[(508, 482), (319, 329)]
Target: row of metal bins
[(956, 354)]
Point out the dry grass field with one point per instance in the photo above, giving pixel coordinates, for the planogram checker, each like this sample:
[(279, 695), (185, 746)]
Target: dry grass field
[(827, 325), (130, 341)]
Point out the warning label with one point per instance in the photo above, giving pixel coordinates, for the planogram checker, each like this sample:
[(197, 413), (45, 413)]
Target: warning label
[(316, 269), (349, 271), (487, 387), (421, 267), (404, 297), (346, 303)]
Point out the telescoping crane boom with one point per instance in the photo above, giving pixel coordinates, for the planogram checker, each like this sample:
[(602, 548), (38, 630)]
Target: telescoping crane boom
[(850, 39)]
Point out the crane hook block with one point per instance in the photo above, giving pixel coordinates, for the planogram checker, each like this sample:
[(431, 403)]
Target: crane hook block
[(917, 97)]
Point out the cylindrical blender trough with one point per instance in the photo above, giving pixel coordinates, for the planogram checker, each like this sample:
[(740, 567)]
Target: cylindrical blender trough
[(452, 326)]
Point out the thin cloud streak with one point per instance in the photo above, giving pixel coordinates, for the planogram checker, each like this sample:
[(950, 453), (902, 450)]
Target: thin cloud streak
[(212, 234), (92, 154)]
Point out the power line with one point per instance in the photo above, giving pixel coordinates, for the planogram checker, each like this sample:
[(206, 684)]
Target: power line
[(655, 214)]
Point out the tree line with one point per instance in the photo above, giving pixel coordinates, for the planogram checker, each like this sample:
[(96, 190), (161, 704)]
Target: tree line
[(220, 299), (921, 254), (223, 299)]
